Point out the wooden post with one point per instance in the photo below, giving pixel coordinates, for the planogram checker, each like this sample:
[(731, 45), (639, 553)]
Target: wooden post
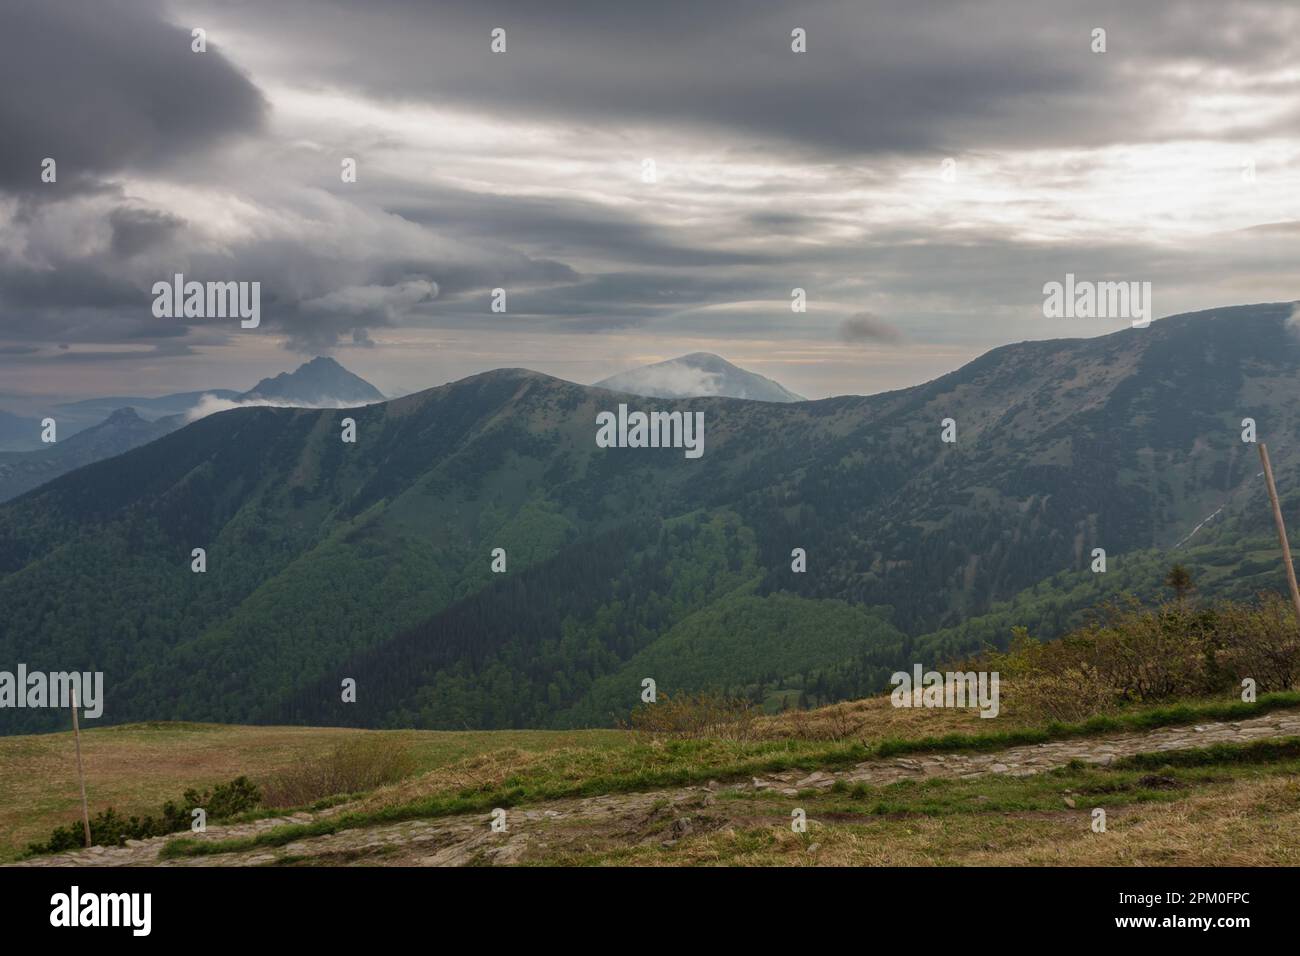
[(1281, 530), (81, 774)]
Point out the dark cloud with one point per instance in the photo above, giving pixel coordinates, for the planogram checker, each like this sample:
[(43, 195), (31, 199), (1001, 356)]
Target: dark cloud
[(65, 356), (385, 294), (766, 154), (102, 85), (893, 76), (136, 230), (868, 327), (574, 226), (623, 299)]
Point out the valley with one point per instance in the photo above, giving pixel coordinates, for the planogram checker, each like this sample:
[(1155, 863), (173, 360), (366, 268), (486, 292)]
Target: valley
[(372, 560)]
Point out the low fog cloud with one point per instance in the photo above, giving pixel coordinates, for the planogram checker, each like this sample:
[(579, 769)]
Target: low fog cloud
[(211, 404), (672, 379)]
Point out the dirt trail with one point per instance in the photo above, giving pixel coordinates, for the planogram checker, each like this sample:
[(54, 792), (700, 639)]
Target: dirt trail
[(659, 816)]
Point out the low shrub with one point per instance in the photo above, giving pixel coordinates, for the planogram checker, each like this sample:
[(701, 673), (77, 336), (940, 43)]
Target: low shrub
[(109, 828), (698, 715), (360, 763), (1143, 655)]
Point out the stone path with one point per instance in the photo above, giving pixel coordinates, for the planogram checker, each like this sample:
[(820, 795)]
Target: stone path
[(1035, 758), (658, 816)]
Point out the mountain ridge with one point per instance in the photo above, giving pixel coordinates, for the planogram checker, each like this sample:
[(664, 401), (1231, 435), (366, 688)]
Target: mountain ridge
[(322, 381), (322, 555)]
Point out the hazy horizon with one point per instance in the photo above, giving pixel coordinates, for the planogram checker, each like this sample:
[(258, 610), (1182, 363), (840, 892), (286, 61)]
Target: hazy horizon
[(24, 404)]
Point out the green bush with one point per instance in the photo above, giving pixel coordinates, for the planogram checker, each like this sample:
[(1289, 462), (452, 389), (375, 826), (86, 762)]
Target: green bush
[(109, 828), (1143, 655)]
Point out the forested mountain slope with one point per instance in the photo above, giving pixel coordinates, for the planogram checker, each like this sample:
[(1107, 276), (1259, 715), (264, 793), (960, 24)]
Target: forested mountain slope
[(372, 560)]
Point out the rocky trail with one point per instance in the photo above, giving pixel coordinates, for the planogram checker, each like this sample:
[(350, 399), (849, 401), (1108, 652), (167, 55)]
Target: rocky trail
[(659, 817)]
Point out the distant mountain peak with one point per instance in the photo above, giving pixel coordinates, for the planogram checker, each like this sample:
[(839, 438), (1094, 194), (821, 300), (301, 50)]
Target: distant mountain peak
[(321, 381), (698, 375), (122, 415), (321, 362)]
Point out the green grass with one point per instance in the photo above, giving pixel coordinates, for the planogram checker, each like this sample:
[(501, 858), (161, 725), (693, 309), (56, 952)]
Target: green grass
[(1255, 752)]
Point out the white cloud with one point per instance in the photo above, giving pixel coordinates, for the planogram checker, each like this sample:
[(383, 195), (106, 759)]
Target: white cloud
[(211, 405), (671, 379)]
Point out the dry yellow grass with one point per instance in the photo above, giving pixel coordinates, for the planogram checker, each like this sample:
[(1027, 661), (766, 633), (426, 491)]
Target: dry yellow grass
[(135, 768), (1248, 822), (875, 718), (479, 772), (868, 720)]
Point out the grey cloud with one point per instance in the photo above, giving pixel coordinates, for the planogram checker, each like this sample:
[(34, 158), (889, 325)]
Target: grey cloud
[(136, 230), (891, 77), (868, 327), (100, 85), (317, 324), (572, 225), (117, 89), (785, 223), (623, 299), (67, 356)]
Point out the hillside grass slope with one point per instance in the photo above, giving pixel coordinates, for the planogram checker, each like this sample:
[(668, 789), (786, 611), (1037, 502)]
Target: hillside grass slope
[(615, 797)]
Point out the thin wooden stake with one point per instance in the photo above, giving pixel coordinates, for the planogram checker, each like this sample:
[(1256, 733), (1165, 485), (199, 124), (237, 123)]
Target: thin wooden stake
[(1281, 530), (81, 773)]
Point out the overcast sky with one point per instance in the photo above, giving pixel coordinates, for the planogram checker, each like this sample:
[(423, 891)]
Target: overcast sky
[(822, 170)]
